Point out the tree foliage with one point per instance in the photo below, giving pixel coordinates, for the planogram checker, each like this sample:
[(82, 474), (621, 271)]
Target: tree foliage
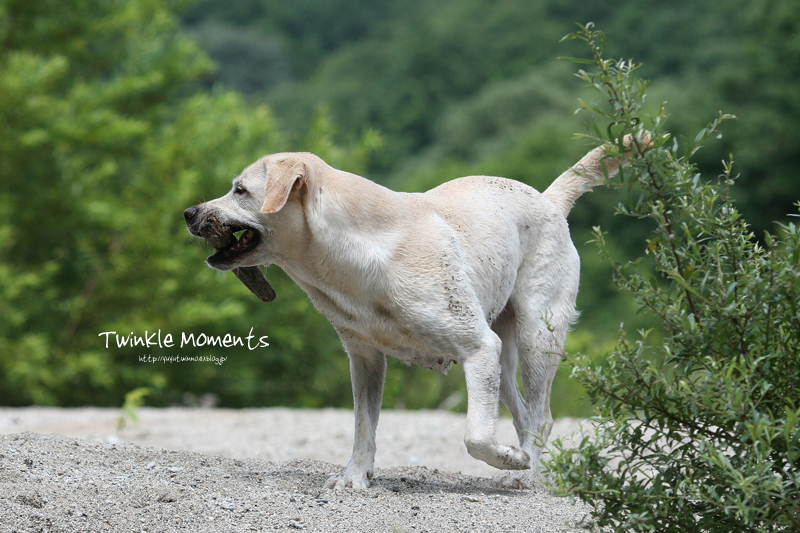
[(108, 136), (699, 431), (459, 87), (114, 121), (408, 68)]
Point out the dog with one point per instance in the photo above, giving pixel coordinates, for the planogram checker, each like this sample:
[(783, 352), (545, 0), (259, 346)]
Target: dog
[(480, 271)]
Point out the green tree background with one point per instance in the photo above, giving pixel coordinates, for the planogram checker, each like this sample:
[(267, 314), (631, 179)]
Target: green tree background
[(116, 116)]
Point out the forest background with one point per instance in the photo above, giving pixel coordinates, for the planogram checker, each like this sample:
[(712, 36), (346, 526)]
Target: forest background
[(116, 116)]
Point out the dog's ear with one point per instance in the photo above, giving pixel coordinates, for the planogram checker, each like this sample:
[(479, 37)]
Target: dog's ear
[(282, 177)]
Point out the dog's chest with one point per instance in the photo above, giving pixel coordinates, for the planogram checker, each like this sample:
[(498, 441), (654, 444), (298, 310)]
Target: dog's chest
[(378, 326), (399, 341), (407, 349)]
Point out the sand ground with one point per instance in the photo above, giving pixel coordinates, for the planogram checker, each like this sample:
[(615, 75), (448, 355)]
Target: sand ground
[(193, 469)]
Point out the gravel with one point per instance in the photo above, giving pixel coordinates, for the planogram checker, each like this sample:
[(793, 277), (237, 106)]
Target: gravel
[(183, 469)]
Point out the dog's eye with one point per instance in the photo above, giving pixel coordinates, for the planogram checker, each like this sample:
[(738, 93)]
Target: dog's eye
[(238, 189)]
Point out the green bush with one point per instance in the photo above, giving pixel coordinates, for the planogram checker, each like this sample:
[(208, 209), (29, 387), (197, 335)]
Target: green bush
[(108, 135), (699, 430)]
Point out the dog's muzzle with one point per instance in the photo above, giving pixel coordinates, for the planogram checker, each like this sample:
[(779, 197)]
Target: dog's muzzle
[(228, 248)]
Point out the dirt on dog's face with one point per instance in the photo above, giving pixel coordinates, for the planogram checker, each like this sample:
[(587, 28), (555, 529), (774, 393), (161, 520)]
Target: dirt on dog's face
[(232, 242)]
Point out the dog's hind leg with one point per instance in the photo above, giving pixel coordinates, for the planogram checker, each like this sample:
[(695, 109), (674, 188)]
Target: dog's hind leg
[(506, 328), (540, 347), (545, 309), (367, 373)]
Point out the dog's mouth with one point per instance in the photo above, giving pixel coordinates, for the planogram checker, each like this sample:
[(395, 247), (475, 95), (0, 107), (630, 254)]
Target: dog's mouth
[(236, 242), (230, 243)]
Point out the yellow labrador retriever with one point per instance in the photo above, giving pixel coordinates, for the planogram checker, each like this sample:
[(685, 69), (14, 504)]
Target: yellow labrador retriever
[(479, 271)]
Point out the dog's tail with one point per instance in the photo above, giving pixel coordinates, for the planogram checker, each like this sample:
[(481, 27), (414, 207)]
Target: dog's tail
[(584, 175)]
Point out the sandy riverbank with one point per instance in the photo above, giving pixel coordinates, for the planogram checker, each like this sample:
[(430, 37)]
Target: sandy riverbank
[(184, 469)]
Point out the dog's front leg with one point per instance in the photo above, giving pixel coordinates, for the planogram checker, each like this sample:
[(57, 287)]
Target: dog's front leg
[(367, 373), (482, 373)]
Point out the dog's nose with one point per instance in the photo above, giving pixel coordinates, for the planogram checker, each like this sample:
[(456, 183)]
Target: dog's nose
[(190, 213)]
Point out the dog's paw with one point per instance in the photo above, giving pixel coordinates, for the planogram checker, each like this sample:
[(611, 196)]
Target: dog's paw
[(346, 480), (497, 455)]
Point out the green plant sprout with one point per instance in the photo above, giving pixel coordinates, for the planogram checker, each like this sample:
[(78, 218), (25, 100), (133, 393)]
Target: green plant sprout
[(133, 400)]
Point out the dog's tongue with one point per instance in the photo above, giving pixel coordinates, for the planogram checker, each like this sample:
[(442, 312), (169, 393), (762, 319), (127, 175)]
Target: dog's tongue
[(254, 279)]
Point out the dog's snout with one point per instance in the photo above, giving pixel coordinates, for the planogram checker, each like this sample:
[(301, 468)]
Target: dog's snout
[(190, 213)]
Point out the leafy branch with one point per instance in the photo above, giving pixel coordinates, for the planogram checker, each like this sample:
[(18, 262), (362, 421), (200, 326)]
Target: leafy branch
[(699, 431)]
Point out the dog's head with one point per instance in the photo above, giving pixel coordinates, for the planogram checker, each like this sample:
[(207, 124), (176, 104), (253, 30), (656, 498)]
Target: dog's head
[(253, 223)]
